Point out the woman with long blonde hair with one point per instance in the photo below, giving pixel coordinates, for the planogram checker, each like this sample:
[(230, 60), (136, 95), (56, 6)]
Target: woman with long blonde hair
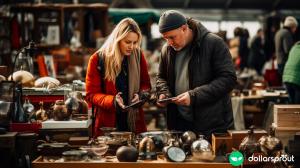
[(116, 77)]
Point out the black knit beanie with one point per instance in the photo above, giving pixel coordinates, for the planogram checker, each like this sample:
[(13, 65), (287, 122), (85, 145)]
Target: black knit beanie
[(171, 20)]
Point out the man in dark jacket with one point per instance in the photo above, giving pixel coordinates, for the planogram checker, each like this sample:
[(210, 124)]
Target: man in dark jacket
[(196, 69)]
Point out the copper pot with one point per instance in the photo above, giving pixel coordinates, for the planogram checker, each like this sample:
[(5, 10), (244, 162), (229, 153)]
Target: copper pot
[(83, 105), (41, 114), (60, 111)]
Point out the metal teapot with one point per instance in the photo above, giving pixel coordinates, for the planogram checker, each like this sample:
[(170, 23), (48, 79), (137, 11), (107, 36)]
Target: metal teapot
[(186, 141)]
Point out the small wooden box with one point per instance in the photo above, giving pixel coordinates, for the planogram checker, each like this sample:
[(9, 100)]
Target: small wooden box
[(238, 136), (287, 115), (221, 142)]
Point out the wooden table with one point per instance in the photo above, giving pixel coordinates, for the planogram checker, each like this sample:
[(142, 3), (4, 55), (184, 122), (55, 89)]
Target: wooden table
[(256, 107), (38, 163), (261, 97)]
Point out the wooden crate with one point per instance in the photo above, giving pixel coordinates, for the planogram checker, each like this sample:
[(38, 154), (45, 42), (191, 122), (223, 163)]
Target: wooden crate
[(238, 136), (220, 141), (286, 133), (287, 115)]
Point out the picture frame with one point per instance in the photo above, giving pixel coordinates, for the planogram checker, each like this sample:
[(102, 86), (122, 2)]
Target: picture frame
[(49, 62), (53, 37), (46, 65)]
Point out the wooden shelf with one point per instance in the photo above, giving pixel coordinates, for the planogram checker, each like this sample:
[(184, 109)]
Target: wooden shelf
[(60, 15)]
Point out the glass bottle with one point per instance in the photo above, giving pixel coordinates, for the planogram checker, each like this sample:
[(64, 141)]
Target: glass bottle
[(28, 107), (24, 62), (19, 114), (72, 104)]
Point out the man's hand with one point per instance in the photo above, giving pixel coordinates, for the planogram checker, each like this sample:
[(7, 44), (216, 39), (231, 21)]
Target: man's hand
[(183, 99), (161, 96), (119, 100)]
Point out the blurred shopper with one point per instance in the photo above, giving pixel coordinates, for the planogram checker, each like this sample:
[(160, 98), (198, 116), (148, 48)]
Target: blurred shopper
[(284, 41), (239, 48), (257, 57), (196, 68), (244, 49), (117, 76), (234, 45), (291, 74)]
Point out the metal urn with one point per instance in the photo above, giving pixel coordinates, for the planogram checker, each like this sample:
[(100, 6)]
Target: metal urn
[(249, 144), (186, 140), (201, 149), (270, 145)]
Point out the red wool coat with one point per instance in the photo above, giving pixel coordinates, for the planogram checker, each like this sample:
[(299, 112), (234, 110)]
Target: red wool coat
[(103, 101)]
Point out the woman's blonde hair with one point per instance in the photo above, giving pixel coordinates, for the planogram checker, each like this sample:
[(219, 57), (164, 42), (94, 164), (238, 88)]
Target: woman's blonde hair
[(111, 50)]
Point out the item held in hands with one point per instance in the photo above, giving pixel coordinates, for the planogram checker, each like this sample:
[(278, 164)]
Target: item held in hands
[(134, 105), (166, 100)]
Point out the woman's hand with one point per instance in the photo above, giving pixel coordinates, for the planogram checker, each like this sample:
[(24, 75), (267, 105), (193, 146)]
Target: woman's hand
[(135, 98), (119, 100)]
